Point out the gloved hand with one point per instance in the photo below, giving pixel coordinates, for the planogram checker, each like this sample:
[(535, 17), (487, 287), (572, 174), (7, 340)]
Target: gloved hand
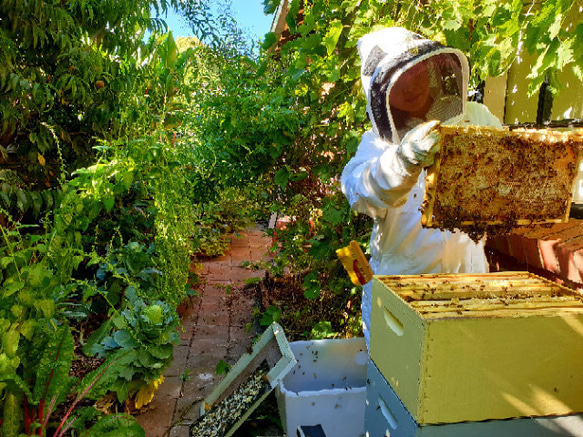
[(420, 145)]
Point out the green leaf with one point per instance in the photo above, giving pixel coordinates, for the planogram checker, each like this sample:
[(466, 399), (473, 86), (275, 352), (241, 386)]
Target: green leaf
[(124, 339), (281, 177), (116, 425), (163, 352), (12, 415), (332, 36), (107, 376), (127, 177), (565, 54), (5, 261), (555, 28), (12, 381), (154, 314), (452, 25), (222, 368), (333, 215), (10, 340), (322, 330), (269, 40), (37, 273), (46, 307), (52, 378), (311, 285), (11, 286), (271, 315), (171, 51), (270, 6), (108, 202), (93, 345), (320, 247)]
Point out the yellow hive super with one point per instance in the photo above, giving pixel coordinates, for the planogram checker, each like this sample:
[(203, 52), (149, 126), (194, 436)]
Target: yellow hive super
[(464, 347)]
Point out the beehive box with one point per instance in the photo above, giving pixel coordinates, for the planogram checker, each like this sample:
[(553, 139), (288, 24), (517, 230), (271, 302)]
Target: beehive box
[(463, 347), (494, 179), (386, 415)]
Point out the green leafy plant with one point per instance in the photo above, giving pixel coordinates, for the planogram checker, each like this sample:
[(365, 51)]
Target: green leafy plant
[(222, 368), (271, 315), (145, 334), (37, 347)]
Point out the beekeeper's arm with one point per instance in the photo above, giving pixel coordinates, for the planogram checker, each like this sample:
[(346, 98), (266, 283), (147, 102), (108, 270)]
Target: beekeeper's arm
[(381, 174)]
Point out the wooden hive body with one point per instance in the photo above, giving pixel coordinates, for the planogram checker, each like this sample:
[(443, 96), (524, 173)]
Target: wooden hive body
[(385, 415), (484, 177), (477, 347)]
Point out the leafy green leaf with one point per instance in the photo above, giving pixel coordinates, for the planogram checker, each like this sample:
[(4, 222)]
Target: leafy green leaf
[(332, 36), (116, 425), (222, 368), (565, 54), (269, 6), (52, 378), (93, 345), (322, 329), (269, 40), (124, 340), (10, 340), (272, 314), (311, 285), (282, 177), (12, 415), (11, 286), (108, 202), (451, 25)]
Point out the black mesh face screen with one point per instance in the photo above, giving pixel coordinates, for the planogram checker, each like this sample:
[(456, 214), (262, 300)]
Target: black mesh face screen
[(446, 84), (448, 73), (382, 80)]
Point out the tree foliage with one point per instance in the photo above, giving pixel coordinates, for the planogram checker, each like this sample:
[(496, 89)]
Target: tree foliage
[(93, 217), (322, 87)]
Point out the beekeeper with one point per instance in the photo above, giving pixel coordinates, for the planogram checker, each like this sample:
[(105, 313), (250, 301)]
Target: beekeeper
[(411, 84)]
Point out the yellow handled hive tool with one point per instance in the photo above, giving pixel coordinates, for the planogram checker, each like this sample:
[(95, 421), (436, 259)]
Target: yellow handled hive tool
[(355, 263)]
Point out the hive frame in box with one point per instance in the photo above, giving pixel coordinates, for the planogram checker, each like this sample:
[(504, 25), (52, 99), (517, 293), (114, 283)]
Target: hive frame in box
[(485, 176), (247, 384)]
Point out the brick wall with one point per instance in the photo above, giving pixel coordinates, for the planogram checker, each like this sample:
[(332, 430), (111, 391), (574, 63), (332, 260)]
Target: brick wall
[(551, 251)]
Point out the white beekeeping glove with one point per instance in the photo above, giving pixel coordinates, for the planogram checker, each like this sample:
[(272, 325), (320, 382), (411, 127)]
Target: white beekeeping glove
[(420, 144)]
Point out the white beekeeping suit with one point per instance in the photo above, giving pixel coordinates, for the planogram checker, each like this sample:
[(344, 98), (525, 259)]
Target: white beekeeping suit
[(385, 179)]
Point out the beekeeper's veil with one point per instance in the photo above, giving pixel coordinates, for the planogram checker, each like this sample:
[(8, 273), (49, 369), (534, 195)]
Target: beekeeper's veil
[(386, 54)]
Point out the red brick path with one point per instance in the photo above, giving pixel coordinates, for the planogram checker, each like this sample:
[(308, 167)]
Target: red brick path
[(214, 329)]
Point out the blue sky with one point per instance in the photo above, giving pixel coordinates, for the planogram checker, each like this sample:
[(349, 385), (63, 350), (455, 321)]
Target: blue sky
[(248, 13)]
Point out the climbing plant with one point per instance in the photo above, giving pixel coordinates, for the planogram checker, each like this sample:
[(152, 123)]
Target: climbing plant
[(318, 53)]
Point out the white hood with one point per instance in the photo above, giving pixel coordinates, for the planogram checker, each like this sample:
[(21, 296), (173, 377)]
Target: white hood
[(386, 54)]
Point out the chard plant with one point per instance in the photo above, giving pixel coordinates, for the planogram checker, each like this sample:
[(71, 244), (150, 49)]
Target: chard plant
[(37, 347)]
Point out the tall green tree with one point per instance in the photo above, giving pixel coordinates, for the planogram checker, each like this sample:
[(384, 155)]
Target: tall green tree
[(73, 73)]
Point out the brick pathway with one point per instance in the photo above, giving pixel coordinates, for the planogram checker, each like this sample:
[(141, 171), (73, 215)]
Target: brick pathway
[(214, 330)]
